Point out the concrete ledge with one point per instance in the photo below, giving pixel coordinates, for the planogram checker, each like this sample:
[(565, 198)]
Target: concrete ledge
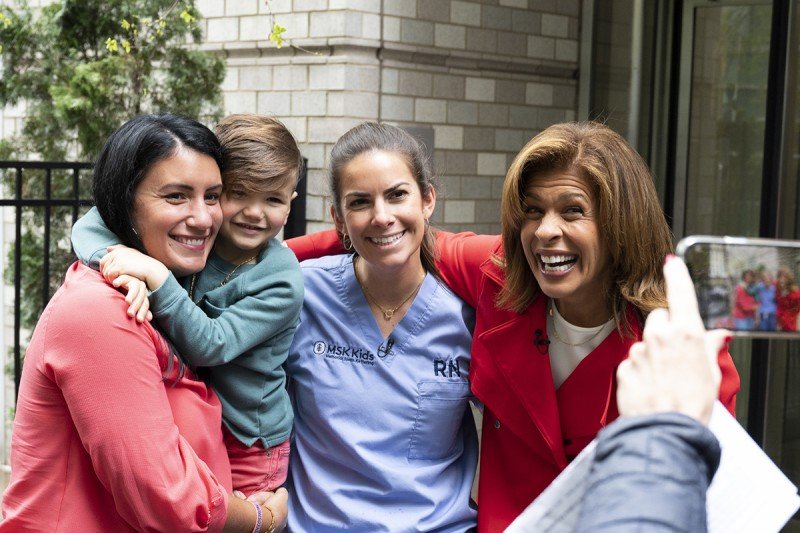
[(326, 49)]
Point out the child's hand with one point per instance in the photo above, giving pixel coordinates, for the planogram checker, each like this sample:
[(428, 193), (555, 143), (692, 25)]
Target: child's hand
[(123, 260), (139, 305)]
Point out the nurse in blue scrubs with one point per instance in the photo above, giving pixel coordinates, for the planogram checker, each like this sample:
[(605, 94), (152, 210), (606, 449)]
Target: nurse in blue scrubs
[(384, 439)]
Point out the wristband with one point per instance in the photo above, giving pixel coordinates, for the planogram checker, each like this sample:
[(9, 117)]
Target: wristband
[(257, 528)]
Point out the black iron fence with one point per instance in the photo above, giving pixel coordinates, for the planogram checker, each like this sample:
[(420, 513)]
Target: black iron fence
[(48, 197), (28, 188)]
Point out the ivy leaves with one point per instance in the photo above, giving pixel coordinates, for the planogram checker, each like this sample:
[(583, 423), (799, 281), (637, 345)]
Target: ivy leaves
[(85, 66), (276, 35)]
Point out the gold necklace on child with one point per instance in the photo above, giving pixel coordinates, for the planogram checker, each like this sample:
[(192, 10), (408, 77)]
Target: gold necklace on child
[(224, 281)]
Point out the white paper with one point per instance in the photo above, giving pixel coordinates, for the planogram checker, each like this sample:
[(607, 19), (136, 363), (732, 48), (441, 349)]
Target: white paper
[(748, 492)]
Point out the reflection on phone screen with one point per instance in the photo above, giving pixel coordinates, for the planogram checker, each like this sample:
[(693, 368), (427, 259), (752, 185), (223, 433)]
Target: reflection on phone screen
[(747, 287)]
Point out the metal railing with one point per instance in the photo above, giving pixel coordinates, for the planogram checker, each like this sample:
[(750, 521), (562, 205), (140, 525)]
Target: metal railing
[(20, 201)]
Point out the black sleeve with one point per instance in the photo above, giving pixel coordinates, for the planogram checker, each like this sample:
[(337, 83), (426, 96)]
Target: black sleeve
[(650, 473)]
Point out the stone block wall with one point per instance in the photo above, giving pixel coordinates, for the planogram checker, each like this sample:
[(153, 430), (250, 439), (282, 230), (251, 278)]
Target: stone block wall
[(483, 76)]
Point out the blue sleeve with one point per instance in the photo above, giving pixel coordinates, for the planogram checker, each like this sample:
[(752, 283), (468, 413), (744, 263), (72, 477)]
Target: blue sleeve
[(266, 301), (650, 473), (90, 238)]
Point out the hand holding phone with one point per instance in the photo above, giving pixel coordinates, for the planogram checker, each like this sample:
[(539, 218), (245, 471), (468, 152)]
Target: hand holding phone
[(674, 367)]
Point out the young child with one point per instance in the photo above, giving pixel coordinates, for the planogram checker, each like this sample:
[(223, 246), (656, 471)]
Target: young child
[(237, 317)]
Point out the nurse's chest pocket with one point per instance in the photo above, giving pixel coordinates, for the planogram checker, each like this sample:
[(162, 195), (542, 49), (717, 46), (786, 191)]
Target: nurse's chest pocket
[(436, 433)]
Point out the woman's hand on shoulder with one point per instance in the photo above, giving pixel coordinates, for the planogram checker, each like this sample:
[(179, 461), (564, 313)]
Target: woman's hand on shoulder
[(121, 260)]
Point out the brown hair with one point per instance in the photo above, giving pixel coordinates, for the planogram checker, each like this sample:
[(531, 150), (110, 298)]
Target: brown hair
[(631, 221), (257, 148), (372, 136), (786, 280)]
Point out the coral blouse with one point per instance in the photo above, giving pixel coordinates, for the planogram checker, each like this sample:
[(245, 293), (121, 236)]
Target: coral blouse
[(102, 441)]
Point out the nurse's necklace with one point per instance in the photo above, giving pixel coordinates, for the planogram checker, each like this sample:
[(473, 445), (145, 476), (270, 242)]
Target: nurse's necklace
[(387, 313), (224, 281)]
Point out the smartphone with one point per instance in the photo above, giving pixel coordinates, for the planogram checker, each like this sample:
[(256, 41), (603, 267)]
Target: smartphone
[(749, 286)]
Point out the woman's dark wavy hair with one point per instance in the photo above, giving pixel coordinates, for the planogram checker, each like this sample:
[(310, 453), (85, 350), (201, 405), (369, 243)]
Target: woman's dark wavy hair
[(129, 154), (373, 137)]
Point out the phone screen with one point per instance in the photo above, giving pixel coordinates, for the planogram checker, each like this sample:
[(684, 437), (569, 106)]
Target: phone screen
[(749, 286)]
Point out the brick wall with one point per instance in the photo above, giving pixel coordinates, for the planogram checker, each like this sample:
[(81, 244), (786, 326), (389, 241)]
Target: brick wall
[(484, 77)]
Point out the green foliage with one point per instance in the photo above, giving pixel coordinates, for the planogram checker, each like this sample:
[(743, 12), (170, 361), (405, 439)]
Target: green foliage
[(83, 67), (6, 149), (276, 32), (276, 35), (86, 66)]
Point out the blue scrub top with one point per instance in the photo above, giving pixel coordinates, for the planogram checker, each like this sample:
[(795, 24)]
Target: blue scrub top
[(384, 439)]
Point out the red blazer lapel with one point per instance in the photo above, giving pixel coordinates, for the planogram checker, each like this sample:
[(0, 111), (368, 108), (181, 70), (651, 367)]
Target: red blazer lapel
[(516, 382)]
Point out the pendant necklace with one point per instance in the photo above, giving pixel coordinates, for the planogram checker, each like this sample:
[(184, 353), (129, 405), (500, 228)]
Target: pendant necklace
[(224, 281), (561, 340), (387, 313)]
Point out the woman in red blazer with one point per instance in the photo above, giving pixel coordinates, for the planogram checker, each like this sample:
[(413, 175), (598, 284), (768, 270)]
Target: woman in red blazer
[(560, 297), (787, 300)]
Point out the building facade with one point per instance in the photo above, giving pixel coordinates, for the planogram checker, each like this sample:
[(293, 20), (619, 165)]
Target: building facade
[(707, 91), (473, 80)]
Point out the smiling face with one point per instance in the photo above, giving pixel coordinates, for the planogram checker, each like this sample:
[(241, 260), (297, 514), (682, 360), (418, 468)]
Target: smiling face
[(250, 219), (561, 241), (383, 211), (176, 210)]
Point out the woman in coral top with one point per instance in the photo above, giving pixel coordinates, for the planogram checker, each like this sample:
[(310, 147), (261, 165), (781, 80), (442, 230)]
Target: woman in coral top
[(787, 300), (112, 431), (560, 297)]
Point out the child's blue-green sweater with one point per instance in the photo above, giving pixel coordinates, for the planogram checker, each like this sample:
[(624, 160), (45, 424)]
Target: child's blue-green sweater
[(240, 332)]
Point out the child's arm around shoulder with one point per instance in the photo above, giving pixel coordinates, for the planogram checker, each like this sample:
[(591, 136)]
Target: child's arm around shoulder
[(91, 238), (121, 260), (137, 273), (268, 301)]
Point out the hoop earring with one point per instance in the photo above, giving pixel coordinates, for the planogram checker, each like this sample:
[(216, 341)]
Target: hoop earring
[(346, 242)]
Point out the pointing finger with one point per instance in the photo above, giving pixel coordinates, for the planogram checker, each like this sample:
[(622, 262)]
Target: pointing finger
[(681, 297)]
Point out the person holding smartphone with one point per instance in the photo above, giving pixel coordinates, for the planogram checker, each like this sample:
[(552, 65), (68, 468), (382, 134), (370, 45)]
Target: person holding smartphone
[(653, 466)]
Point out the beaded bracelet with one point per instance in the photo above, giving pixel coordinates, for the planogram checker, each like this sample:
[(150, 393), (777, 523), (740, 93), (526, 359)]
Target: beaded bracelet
[(257, 528)]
